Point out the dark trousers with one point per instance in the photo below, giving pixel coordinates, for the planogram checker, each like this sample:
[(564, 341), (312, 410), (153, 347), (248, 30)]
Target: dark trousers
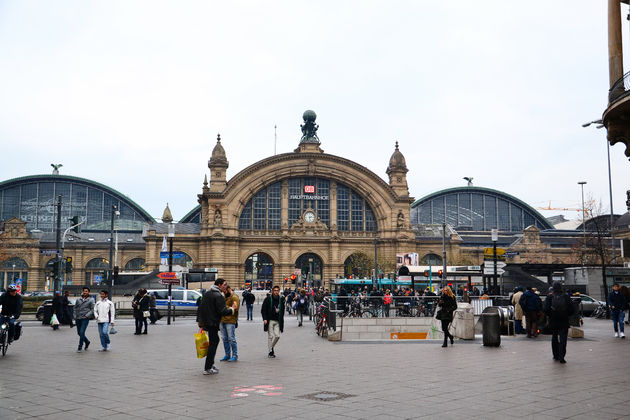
[(532, 323), (213, 336), (559, 343), (140, 321), (250, 311), (82, 325), (445, 324)]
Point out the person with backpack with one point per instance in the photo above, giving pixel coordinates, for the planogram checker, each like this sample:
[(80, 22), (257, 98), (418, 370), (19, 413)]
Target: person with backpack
[(301, 306), (617, 303), (249, 299), (558, 308), (532, 305)]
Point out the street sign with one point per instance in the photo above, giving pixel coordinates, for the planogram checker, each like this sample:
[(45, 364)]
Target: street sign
[(168, 275), (98, 279), (170, 281), (511, 254), (165, 254), (488, 254), (48, 251), (488, 268)]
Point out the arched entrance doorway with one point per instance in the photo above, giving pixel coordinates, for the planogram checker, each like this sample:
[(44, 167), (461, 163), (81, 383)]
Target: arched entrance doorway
[(358, 265), (259, 271), (12, 269), (311, 270), (95, 271)]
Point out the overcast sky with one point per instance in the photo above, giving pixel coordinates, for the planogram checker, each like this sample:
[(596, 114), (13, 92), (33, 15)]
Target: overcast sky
[(132, 94)]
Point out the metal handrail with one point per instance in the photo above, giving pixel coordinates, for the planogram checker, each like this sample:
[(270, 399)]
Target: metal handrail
[(620, 89)]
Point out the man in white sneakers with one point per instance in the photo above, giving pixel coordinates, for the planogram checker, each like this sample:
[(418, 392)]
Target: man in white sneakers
[(104, 313)]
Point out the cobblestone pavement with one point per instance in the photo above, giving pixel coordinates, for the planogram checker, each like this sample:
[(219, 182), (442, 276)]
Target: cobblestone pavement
[(157, 376)]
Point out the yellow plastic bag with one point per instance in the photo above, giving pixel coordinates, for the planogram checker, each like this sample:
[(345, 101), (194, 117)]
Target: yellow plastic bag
[(202, 342)]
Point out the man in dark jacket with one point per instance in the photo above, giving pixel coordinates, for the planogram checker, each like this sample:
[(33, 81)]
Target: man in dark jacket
[(11, 303), (209, 314), (617, 303), (249, 299), (272, 312), (558, 308), (531, 304)]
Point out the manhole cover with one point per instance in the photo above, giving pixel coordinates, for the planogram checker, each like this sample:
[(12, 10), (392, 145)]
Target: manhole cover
[(326, 396)]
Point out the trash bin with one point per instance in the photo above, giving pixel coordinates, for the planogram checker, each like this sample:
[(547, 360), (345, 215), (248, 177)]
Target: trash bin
[(490, 322), (47, 314)]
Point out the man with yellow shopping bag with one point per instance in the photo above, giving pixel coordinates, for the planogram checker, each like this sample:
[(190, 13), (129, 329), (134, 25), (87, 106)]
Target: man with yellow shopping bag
[(209, 313)]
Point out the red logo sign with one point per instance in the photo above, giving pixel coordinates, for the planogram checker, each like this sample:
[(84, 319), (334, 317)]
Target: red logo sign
[(309, 189), (168, 275)]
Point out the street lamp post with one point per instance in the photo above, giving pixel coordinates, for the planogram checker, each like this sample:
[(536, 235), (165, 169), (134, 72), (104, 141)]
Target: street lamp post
[(582, 183), (495, 238), (375, 263), (444, 277), (110, 269), (171, 234)]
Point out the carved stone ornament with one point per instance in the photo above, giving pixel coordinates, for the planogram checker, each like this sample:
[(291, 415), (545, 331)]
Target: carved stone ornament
[(400, 222)]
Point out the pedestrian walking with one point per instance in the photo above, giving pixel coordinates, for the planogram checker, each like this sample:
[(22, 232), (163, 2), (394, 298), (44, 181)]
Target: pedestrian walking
[(272, 312), (447, 305), (57, 309), (558, 308), (532, 305), (141, 305), (153, 312), (518, 311), (617, 303), (301, 306), (249, 299), (83, 312), (67, 312), (209, 313), (229, 323), (104, 313)]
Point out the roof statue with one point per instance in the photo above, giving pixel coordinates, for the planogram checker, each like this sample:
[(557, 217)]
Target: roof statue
[(309, 128), (167, 217), (56, 168)]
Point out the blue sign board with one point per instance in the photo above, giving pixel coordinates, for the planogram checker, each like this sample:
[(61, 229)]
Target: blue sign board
[(165, 254), (98, 279)]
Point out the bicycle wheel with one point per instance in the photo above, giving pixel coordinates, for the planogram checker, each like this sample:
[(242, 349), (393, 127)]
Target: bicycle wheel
[(367, 314), (324, 329)]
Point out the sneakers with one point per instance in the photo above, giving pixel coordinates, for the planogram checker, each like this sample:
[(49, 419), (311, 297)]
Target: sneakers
[(622, 335), (233, 359), (212, 371), (225, 359), (103, 349), (87, 344), (272, 355), (79, 350), (616, 334), (109, 347)]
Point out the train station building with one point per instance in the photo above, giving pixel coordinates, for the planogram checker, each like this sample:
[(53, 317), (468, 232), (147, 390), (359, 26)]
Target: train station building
[(293, 213)]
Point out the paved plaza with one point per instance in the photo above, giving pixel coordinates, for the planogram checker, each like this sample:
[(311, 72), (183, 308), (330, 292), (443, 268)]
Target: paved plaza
[(158, 376)]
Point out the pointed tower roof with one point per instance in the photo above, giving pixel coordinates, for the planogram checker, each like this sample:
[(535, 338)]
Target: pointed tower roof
[(218, 158), (167, 217), (397, 162)]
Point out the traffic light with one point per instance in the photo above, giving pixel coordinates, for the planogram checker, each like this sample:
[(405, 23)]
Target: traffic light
[(293, 277), (426, 273), (55, 267), (74, 221), (68, 264), (115, 272), (440, 272)]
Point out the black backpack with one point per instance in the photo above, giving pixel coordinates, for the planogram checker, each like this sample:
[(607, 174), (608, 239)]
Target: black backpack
[(559, 303)]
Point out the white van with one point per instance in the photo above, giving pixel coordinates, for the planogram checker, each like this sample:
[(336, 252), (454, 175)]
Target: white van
[(182, 300)]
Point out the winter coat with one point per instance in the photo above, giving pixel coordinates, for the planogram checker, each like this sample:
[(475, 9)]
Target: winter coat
[(84, 308), (558, 320), (104, 311), (11, 305), (518, 311), (249, 297), (447, 306), (530, 302), (617, 301), (212, 308), (267, 311), (232, 318)]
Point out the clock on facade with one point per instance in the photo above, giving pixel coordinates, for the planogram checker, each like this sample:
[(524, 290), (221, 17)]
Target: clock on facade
[(309, 216)]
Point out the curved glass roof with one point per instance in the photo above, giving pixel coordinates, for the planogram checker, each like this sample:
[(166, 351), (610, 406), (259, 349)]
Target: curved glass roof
[(193, 216), (476, 209), (33, 199)]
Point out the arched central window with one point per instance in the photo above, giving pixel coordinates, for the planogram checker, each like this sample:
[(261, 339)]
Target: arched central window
[(259, 271), (311, 268), (95, 270), (11, 270), (264, 210)]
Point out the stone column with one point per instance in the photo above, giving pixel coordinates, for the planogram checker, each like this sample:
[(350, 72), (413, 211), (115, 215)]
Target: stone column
[(615, 52), (333, 206), (284, 213)]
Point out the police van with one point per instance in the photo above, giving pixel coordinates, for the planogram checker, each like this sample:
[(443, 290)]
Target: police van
[(182, 300)]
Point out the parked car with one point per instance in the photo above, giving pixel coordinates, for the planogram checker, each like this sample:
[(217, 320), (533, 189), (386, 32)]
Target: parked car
[(589, 304), (182, 300)]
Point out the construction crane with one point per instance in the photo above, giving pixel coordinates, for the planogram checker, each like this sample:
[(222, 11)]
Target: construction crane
[(588, 207)]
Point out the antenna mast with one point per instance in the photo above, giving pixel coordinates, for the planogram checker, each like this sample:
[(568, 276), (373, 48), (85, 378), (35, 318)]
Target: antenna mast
[(275, 138)]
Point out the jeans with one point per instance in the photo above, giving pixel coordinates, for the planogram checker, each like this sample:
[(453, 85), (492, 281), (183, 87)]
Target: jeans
[(300, 316), (228, 335), (617, 317), (140, 321), (518, 326), (11, 321), (250, 312), (213, 336), (559, 343), (82, 325), (103, 333), (273, 334)]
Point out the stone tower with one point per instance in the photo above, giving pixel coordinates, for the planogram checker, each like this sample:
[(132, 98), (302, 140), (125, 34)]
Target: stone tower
[(397, 171), (218, 165)]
